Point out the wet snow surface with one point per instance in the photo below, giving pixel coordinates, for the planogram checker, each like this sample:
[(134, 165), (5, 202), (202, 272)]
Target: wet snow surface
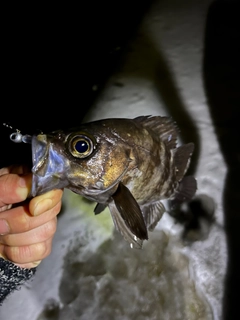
[(92, 273)]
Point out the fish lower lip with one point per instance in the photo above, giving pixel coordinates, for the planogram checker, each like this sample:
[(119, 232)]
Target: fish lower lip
[(44, 184), (38, 187)]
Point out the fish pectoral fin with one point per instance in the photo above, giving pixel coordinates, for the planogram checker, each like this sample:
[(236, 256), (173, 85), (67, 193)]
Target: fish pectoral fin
[(186, 190), (100, 207), (121, 226), (182, 157), (152, 214), (130, 212)]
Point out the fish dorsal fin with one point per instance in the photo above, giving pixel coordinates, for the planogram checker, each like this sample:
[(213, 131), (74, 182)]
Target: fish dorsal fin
[(182, 157), (130, 212), (152, 213), (121, 226), (165, 127)]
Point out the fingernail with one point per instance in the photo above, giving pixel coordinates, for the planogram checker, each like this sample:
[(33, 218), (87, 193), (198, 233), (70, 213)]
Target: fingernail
[(36, 263), (29, 265), (4, 227), (42, 206), (23, 188)]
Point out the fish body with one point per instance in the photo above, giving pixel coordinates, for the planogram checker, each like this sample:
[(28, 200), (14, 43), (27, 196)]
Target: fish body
[(129, 165)]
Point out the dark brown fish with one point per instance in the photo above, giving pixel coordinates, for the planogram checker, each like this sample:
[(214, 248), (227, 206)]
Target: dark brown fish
[(129, 165)]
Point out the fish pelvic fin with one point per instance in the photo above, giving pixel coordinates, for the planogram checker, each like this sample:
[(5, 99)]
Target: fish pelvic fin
[(182, 158), (152, 213), (186, 189), (121, 226), (100, 207), (130, 211), (165, 127)]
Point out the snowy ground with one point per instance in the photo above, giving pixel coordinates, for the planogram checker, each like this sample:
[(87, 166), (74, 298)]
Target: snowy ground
[(92, 273)]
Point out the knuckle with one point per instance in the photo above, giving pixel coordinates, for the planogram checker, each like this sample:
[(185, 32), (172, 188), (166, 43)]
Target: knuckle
[(4, 239), (40, 250), (56, 209), (49, 228), (26, 254), (24, 223), (48, 250), (17, 254)]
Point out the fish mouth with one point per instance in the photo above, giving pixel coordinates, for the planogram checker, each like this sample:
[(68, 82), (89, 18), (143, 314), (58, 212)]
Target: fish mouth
[(48, 168), (42, 185)]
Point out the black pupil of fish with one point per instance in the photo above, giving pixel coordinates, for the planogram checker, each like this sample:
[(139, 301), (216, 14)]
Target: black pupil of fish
[(81, 146)]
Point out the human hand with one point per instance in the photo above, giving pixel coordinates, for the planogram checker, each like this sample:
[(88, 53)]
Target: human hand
[(26, 227)]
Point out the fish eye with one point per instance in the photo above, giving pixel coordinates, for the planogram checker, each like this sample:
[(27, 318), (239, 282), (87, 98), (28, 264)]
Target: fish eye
[(81, 145)]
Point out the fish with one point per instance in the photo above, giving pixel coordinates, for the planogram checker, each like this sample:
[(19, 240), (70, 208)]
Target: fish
[(129, 165)]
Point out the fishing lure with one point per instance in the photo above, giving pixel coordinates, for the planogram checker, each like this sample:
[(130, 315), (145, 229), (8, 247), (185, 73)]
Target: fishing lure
[(17, 136)]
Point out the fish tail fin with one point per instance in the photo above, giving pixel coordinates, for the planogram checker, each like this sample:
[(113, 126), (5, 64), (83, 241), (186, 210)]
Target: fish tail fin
[(182, 157), (186, 190)]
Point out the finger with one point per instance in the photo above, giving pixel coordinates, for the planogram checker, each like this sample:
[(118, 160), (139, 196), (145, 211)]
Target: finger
[(44, 202), (33, 236), (17, 169), (14, 188), (27, 254), (19, 220), (29, 265), (5, 207)]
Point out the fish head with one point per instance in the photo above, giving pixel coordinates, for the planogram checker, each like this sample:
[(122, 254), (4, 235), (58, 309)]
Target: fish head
[(87, 160)]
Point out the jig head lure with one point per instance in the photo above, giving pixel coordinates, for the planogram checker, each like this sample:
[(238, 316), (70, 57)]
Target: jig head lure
[(17, 136)]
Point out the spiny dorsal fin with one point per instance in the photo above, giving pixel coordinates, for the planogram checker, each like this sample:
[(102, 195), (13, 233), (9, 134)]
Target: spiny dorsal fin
[(163, 126), (182, 157)]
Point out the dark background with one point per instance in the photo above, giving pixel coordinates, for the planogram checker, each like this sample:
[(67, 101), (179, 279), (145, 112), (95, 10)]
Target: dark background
[(52, 57), (221, 69)]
